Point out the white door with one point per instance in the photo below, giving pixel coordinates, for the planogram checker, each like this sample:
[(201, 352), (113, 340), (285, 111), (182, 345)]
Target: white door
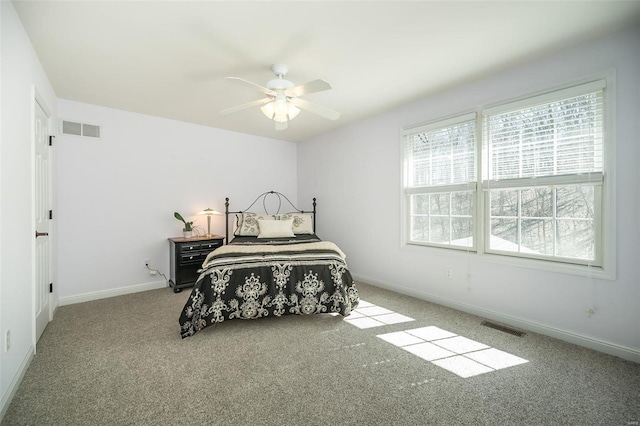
[(42, 206)]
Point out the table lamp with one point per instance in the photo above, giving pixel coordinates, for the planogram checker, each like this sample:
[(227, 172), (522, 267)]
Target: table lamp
[(209, 213)]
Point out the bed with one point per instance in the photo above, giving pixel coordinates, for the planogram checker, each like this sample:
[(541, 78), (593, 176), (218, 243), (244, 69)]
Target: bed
[(275, 265)]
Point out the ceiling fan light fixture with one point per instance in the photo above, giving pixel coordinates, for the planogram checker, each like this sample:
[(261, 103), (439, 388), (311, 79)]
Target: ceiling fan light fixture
[(282, 102), (280, 111)]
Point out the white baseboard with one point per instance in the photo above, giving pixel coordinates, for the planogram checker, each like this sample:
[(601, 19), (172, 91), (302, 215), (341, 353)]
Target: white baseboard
[(103, 294), (568, 336), (17, 379)]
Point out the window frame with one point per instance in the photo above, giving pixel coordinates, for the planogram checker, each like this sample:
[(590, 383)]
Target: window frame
[(471, 186), (605, 227)]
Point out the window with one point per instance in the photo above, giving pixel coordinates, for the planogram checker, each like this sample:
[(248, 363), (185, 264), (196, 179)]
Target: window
[(541, 188), (440, 182)]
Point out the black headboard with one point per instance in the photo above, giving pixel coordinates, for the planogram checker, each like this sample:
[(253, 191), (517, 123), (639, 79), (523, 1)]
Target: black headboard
[(275, 195)]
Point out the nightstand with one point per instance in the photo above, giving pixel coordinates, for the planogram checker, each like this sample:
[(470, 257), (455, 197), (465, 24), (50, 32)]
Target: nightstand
[(187, 255)]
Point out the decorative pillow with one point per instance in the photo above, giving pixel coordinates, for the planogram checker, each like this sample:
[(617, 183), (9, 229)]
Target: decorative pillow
[(248, 223), (275, 228), (302, 222)]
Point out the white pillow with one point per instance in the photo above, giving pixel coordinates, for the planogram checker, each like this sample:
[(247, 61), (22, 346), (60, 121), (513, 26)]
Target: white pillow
[(275, 228), (302, 222), (248, 224)]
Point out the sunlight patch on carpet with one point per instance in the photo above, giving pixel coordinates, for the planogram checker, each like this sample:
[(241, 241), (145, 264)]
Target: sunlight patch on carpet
[(373, 311), (457, 354), (368, 315), (462, 366), (364, 322), (393, 318), (431, 333), (401, 338), (461, 345), (428, 351), (496, 358)]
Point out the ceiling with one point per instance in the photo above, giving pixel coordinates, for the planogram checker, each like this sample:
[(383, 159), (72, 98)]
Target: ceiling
[(170, 58)]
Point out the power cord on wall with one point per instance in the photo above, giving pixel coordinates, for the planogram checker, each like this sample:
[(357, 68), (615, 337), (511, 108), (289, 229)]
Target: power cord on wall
[(156, 272)]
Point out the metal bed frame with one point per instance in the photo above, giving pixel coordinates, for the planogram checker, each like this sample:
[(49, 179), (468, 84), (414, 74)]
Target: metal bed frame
[(280, 196)]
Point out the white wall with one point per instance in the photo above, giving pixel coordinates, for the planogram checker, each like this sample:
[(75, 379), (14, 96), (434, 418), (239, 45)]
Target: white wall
[(115, 196), (20, 72), (355, 173), (114, 200)]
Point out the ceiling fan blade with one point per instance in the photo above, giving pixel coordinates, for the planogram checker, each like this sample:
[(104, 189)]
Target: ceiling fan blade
[(259, 102), (281, 126), (255, 86), (315, 108), (310, 87)]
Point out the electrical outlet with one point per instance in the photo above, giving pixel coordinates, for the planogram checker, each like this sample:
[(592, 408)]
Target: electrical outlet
[(7, 340), (146, 262), (447, 273)]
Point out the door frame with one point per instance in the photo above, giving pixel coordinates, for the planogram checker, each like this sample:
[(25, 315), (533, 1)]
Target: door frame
[(38, 100)]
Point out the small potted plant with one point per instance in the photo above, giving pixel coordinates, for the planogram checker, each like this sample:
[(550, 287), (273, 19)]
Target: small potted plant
[(188, 226)]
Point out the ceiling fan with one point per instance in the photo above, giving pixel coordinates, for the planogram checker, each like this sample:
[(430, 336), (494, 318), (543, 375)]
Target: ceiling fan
[(283, 102)]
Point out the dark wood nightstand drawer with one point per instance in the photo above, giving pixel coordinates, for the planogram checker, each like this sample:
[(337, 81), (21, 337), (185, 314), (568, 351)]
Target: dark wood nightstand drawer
[(211, 246), (195, 257)]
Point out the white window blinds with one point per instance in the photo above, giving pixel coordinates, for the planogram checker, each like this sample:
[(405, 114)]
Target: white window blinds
[(444, 155), (562, 136)]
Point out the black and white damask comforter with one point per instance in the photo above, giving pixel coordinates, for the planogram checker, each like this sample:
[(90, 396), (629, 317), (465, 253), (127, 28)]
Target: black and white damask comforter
[(252, 281)]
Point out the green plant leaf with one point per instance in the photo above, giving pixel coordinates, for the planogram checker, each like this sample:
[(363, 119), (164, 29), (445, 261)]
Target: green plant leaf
[(179, 217)]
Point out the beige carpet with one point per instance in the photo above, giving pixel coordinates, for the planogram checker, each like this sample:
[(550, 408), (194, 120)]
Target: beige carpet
[(121, 361)]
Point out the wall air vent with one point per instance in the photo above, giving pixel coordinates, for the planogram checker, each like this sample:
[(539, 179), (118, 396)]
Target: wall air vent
[(71, 128), (80, 129)]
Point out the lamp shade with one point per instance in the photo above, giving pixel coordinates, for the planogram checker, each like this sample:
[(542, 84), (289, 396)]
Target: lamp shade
[(209, 212)]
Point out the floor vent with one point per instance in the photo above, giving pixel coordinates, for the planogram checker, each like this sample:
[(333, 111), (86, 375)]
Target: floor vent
[(503, 328)]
